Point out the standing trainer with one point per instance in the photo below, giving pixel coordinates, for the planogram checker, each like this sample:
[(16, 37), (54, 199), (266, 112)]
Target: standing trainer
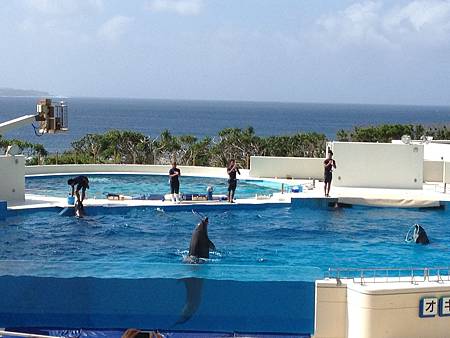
[(232, 169), (328, 164), (174, 173)]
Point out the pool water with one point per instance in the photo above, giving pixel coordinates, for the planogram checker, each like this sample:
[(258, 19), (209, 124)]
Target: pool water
[(284, 243), (101, 185)]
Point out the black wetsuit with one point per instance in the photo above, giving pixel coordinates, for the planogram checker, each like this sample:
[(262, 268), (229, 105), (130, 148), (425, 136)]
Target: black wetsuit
[(82, 183), (174, 181), (232, 181), (327, 175)]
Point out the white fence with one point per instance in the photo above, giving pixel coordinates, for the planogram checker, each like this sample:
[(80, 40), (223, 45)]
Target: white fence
[(304, 168), (286, 167), (124, 168), (436, 171)]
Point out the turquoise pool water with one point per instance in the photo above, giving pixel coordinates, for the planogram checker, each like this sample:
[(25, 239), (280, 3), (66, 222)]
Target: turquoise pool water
[(131, 185), (283, 244)]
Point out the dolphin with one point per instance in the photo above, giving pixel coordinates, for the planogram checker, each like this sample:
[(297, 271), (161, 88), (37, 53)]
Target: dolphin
[(198, 249), (420, 235), (200, 242), (417, 234), (194, 288)]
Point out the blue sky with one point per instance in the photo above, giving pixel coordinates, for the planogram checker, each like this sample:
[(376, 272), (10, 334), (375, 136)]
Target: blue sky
[(257, 50)]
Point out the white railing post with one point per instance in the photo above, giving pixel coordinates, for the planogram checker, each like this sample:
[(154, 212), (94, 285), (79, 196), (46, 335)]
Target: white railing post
[(444, 178)]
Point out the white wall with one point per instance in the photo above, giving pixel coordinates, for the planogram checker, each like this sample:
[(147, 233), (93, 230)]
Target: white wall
[(375, 310), (446, 171), (437, 151), (433, 171), (378, 165), (330, 310), (125, 168), (434, 151), (12, 181), (282, 167), (394, 312)]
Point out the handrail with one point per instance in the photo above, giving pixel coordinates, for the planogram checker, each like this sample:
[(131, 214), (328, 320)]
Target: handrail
[(25, 335), (390, 275)]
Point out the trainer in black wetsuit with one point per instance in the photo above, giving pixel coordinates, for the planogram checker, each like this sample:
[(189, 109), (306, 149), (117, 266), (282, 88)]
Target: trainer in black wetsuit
[(232, 169), (328, 165), (174, 173), (82, 183)]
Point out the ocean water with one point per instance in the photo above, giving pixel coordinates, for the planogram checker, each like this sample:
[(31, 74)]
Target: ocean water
[(207, 118), (288, 244)]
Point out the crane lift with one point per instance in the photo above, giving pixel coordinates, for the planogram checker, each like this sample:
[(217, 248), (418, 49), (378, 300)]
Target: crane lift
[(51, 118), (48, 118)]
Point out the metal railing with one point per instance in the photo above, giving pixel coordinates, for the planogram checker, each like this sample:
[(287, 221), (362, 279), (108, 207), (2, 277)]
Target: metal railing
[(390, 275)]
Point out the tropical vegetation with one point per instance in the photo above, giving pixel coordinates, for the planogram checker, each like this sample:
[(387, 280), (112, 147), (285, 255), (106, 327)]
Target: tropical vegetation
[(126, 146)]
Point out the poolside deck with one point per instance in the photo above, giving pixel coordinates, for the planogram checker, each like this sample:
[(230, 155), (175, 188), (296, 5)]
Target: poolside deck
[(431, 195)]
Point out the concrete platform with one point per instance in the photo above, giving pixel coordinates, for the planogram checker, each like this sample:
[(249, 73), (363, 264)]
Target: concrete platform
[(431, 196)]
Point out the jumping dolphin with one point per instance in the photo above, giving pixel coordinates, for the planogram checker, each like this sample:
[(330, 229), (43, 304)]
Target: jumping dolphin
[(200, 242)]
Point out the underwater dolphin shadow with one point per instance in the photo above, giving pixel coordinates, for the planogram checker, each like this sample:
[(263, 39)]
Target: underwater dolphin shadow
[(194, 287)]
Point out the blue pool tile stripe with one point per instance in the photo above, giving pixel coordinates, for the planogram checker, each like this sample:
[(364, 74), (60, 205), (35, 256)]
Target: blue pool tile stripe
[(190, 304)]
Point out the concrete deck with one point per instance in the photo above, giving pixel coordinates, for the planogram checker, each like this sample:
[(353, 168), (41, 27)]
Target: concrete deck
[(38, 201), (431, 195)]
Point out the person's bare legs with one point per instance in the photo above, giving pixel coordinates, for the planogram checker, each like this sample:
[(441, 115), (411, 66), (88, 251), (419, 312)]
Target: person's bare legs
[(328, 189), (77, 194)]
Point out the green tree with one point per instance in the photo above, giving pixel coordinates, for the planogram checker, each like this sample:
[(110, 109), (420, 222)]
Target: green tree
[(236, 143)]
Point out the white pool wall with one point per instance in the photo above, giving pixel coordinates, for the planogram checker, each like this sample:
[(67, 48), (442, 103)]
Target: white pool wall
[(283, 167), (360, 165), (374, 310), (12, 178), (433, 171), (436, 150), (378, 165), (127, 168)]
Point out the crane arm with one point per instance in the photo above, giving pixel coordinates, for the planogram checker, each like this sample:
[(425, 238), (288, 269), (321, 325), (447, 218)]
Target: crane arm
[(17, 123)]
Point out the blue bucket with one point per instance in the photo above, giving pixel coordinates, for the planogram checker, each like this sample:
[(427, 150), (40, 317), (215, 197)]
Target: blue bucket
[(70, 200), (297, 188)]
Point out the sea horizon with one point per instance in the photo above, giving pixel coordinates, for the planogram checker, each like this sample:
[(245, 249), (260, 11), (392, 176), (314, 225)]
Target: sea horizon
[(51, 96), (202, 118)]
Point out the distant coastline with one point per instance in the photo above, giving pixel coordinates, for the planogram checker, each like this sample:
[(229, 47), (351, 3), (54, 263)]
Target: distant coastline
[(11, 92)]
